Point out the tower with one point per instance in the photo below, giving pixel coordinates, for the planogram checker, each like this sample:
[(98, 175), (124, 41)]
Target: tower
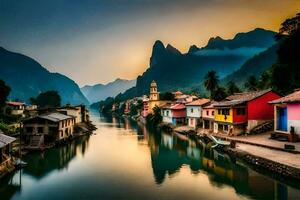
[(154, 96)]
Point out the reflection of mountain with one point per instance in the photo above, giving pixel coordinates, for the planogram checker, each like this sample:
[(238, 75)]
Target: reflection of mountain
[(39, 165)]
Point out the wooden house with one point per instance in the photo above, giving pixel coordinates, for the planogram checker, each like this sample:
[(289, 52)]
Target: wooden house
[(287, 115), (5, 150), (194, 112), (241, 112), (47, 129)]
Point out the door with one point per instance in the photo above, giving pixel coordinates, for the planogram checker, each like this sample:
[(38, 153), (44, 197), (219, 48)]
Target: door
[(282, 124)]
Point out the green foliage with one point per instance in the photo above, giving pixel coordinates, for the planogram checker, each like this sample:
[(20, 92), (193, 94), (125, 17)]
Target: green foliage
[(232, 88), (264, 81), (167, 96), (47, 99), (285, 74), (219, 94), (251, 84), (4, 92), (133, 110), (153, 119), (211, 81)]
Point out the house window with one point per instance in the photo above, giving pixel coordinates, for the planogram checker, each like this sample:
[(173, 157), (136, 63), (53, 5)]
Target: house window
[(213, 113), (207, 113), (29, 129), (40, 130), (219, 111), (225, 127), (167, 113), (225, 111), (192, 110)]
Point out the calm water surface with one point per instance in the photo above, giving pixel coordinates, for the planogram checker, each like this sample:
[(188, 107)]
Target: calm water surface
[(124, 160)]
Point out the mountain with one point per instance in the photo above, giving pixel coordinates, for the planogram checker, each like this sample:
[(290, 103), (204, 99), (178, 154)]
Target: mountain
[(174, 70), (27, 78), (100, 91), (254, 66)]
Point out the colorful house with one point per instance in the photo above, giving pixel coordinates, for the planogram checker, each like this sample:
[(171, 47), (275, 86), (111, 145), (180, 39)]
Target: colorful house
[(208, 117), (173, 113), (194, 112), (287, 114), (242, 112)]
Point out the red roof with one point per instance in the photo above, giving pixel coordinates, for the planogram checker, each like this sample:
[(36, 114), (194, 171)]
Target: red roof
[(15, 103), (178, 106)]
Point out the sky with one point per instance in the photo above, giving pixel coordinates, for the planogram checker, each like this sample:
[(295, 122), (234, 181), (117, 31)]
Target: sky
[(97, 41)]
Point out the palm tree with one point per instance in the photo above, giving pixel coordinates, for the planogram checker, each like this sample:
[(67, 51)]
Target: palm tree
[(211, 82), (232, 88), (251, 84)]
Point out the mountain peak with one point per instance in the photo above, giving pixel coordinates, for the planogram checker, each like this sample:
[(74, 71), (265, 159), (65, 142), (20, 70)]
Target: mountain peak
[(193, 49), (172, 49)]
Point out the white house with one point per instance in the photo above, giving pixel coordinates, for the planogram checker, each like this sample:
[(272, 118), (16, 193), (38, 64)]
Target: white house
[(166, 113), (194, 111)]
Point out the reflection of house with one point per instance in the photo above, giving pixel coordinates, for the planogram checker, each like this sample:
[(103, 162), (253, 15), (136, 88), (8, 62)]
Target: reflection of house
[(208, 117), (5, 151), (287, 114), (174, 113), (149, 104), (243, 111), (47, 128), (194, 112), (15, 108)]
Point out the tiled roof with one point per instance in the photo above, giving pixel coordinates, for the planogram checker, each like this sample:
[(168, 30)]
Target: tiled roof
[(55, 117), (198, 102), (15, 103), (248, 96), (210, 105), (291, 98), (240, 98), (178, 106), (5, 140)]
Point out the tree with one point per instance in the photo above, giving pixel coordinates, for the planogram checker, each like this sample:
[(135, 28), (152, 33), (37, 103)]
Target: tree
[(232, 88), (264, 80), (211, 81), (47, 99), (167, 96), (4, 92), (154, 118), (285, 74), (289, 26), (251, 83), (219, 94)]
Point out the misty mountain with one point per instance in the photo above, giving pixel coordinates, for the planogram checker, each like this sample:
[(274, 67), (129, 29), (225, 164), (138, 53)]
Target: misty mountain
[(27, 78), (174, 70), (100, 91), (254, 66)]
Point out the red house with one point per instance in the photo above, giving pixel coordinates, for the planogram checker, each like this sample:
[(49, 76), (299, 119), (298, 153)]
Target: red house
[(243, 111), (174, 113)]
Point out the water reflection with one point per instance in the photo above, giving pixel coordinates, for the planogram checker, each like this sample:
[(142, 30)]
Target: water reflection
[(169, 153), (42, 164)]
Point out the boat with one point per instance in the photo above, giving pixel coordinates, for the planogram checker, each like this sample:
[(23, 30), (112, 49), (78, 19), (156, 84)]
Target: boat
[(218, 142)]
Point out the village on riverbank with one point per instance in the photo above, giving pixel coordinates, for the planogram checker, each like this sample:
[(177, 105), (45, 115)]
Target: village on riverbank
[(28, 127), (262, 126)]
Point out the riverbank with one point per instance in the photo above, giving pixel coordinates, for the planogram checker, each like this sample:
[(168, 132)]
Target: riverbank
[(264, 156)]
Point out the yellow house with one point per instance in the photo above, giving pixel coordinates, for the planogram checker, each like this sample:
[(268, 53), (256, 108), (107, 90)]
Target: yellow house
[(224, 114)]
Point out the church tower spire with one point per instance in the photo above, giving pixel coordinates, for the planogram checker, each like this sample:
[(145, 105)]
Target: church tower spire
[(154, 96)]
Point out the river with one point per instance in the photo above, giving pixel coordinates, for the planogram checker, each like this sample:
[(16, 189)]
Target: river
[(125, 160)]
